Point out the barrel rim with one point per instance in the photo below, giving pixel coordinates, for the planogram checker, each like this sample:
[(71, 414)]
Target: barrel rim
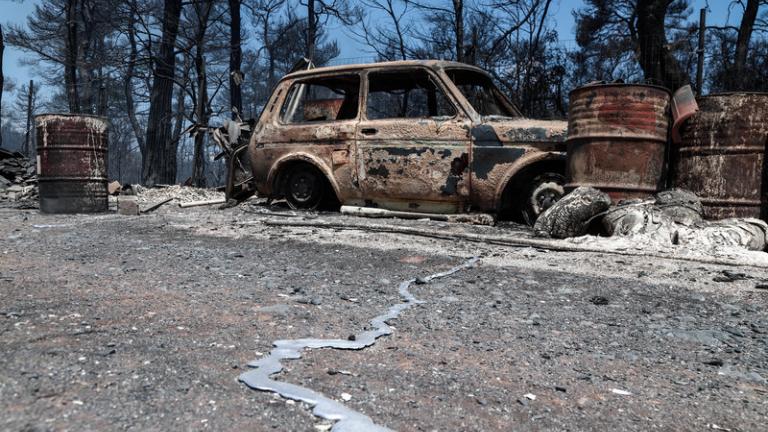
[(94, 116), (619, 85)]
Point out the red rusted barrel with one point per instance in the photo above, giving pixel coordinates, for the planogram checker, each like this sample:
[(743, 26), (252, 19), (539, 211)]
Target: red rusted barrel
[(72, 163), (721, 155), (617, 137)]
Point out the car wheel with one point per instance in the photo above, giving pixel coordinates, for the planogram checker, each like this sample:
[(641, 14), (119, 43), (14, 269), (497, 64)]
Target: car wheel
[(304, 188), (542, 192)]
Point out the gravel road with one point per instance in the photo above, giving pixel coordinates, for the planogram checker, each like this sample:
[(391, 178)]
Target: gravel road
[(144, 323)]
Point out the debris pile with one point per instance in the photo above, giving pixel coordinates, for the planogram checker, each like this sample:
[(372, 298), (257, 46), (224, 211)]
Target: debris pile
[(572, 215), (669, 219), (180, 194), (18, 179)]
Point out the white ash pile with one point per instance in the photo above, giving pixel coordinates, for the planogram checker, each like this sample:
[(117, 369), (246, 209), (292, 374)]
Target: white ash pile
[(179, 194), (18, 179), (670, 221)]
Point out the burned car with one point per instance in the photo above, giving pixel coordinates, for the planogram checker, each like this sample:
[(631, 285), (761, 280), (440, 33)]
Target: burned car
[(425, 136)]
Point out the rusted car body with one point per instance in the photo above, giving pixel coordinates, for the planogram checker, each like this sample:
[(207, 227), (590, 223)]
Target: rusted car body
[(427, 136)]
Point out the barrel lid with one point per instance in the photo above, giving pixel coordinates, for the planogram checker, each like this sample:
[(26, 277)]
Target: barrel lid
[(601, 85)]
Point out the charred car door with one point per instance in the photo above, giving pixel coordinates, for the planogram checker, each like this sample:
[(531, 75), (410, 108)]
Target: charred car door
[(412, 144)]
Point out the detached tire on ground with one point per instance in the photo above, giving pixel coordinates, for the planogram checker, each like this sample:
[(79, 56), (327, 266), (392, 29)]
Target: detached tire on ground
[(306, 188), (572, 215)]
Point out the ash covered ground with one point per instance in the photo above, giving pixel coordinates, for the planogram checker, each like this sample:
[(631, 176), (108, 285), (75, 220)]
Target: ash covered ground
[(145, 322)]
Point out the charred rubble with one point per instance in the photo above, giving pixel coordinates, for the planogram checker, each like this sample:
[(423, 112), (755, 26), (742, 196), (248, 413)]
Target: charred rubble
[(18, 179)]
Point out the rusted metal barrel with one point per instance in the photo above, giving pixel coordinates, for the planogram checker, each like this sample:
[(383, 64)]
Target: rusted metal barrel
[(721, 155), (72, 163), (617, 137)]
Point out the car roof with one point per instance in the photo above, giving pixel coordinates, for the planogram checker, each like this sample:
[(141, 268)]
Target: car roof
[(384, 65)]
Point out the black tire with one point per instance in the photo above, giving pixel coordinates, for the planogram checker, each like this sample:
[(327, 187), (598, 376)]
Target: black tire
[(540, 194), (305, 188)]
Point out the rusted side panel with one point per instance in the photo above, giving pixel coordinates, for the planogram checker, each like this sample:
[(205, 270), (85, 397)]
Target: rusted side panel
[(617, 137), (502, 149), (415, 164), (72, 163), (721, 156)]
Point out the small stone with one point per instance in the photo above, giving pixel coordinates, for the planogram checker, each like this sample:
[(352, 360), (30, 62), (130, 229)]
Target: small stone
[(598, 300), (713, 362), (346, 397)]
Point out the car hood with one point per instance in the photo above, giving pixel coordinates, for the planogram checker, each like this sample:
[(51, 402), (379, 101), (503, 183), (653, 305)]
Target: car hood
[(520, 131)]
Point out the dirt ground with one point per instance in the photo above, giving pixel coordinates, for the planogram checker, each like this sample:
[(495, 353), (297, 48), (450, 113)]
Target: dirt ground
[(145, 323)]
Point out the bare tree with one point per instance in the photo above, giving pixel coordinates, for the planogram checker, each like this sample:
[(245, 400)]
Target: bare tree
[(2, 81), (235, 60), (319, 12), (389, 39), (625, 38), (128, 87), (159, 164), (202, 114), (745, 34), (70, 63)]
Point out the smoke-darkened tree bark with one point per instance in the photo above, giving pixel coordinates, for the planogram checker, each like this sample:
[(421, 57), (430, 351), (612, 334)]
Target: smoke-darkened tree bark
[(159, 165), (202, 113), (128, 85), (2, 82), (658, 63), (742, 44), (235, 60), (70, 61)]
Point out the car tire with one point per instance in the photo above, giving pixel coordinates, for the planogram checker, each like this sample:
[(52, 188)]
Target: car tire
[(541, 193), (305, 188)]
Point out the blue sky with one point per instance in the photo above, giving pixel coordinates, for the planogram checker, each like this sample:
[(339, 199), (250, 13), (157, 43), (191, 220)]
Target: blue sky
[(16, 11)]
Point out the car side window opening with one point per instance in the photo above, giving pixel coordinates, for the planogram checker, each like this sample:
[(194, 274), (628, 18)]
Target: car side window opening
[(411, 94), (322, 99), (482, 93)]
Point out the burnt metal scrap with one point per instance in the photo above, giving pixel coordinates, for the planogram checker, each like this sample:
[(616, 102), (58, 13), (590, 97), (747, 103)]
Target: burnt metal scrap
[(346, 419), (233, 138)]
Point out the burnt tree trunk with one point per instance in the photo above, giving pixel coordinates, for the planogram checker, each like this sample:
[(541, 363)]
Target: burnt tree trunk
[(128, 86), (659, 65), (198, 164), (181, 98), (201, 104), (235, 61), (742, 44), (458, 11), (159, 164), (2, 83), (70, 57), (311, 29)]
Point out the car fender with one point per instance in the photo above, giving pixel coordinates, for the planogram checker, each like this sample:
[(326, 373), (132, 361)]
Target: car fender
[(301, 157)]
